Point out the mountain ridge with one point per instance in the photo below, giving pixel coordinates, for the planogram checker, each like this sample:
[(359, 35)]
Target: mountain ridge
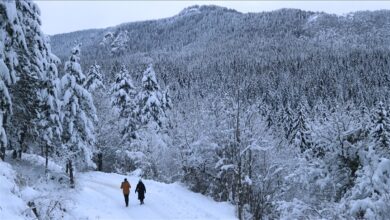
[(207, 44)]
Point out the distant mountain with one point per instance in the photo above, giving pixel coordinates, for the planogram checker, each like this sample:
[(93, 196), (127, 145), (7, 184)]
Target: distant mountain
[(284, 55)]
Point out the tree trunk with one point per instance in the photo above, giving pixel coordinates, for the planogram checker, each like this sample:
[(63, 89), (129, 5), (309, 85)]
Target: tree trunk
[(21, 142), (14, 154), (20, 154), (70, 173), (239, 194), (46, 158), (2, 153), (100, 161), (239, 164)]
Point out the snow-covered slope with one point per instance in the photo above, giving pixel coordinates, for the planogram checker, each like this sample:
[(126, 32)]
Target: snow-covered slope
[(100, 197), (11, 205)]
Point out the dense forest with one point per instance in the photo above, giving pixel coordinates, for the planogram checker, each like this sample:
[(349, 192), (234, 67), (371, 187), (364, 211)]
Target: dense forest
[(285, 114)]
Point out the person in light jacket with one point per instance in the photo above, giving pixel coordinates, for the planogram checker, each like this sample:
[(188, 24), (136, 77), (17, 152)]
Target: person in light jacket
[(125, 186)]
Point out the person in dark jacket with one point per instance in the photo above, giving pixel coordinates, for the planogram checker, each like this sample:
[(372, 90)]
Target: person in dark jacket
[(141, 191), (125, 186)]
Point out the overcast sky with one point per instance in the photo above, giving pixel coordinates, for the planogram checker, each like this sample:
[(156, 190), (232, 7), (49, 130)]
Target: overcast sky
[(66, 16)]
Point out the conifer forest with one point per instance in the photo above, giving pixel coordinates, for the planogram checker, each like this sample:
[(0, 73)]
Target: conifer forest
[(276, 115)]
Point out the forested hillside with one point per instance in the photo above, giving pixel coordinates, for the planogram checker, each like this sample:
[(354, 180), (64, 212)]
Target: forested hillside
[(278, 112), (284, 114), (328, 56)]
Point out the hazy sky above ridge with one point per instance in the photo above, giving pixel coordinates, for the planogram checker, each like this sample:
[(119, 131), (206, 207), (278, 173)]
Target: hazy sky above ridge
[(67, 16)]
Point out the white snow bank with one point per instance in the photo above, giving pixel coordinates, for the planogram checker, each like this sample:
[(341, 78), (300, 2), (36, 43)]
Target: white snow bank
[(11, 205), (40, 161)]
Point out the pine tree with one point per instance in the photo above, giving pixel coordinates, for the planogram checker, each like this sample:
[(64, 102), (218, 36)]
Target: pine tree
[(380, 130), (119, 45), (94, 78), (287, 120), (150, 100), (26, 59), (48, 120), (368, 197), (166, 99), (79, 113), (300, 134), (123, 92), (36, 56), (5, 108), (12, 41), (73, 65), (12, 44), (146, 127)]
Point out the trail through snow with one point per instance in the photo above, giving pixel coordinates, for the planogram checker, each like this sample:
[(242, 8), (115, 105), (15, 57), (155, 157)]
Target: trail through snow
[(100, 197)]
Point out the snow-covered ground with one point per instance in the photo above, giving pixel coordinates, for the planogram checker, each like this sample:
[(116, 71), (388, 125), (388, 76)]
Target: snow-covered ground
[(97, 196), (100, 197), (11, 205)]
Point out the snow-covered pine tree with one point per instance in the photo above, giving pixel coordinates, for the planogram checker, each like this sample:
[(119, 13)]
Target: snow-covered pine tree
[(94, 84), (12, 43), (94, 78), (25, 59), (48, 120), (151, 107), (37, 55), (119, 44), (5, 108), (286, 120), (380, 130), (166, 99), (368, 198), (300, 134), (42, 65), (73, 66), (149, 120), (123, 92), (79, 114)]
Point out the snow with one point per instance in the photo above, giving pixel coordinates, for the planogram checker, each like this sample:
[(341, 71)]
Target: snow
[(11, 205), (100, 197), (189, 11), (97, 195), (313, 18), (40, 161), (4, 72), (381, 177)]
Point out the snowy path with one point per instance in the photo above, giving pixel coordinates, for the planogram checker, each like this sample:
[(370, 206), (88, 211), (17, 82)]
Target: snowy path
[(101, 198)]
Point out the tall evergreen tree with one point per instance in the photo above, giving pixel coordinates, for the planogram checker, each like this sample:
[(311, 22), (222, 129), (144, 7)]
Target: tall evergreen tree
[(119, 44), (146, 126), (94, 78), (79, 113), (12, 44), (300, 134), (287, 120), (123, 92), (5, 108), (380, 130), (49, 111), (150, 100), (26, 62)]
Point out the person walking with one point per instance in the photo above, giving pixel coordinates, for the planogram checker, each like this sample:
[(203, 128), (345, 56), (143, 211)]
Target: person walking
[(125, 186), (141, 191)]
